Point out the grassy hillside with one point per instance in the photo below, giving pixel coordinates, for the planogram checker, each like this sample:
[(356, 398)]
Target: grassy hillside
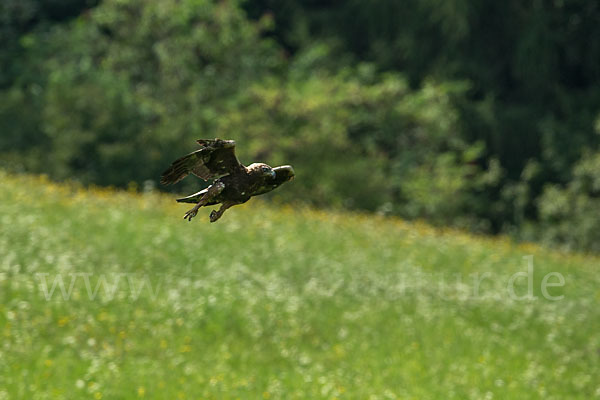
[(272, 302)]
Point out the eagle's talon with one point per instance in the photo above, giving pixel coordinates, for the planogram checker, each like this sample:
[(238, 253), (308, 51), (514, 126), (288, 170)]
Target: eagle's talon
[(190, 214), (214, 215)]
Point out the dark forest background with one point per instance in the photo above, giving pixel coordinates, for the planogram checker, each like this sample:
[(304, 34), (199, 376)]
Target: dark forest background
[(481, 115)]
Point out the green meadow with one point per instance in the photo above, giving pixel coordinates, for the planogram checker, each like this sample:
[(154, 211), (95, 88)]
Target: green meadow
[(110, 294)]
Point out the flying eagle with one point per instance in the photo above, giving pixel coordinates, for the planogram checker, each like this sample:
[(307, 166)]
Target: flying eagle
[(233, 183)]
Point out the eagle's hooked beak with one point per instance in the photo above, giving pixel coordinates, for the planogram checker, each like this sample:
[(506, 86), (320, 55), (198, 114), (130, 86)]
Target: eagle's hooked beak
[(284, 173)]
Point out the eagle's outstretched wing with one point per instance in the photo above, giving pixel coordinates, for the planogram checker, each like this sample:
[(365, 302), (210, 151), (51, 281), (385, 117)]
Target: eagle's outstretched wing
[(215, 158)]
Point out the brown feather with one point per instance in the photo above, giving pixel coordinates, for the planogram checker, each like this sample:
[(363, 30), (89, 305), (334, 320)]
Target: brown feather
[(216, 158)]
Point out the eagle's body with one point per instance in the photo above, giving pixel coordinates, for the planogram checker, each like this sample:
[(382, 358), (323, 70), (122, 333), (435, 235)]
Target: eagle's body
[(233, 182)]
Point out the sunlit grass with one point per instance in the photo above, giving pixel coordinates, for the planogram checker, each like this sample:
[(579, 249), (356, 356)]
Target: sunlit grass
[(274, 302)]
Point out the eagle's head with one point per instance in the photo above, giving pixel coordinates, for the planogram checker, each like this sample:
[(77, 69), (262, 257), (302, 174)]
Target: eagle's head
[(271, 177), (262, 170)]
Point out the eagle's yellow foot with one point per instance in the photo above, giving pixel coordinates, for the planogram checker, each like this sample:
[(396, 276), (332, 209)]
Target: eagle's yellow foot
[(191, 213), (215, 215)]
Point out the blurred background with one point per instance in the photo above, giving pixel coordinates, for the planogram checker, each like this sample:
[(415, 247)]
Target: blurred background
[(478, 115)]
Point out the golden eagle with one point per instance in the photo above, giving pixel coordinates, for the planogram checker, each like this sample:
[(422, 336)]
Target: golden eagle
[(232, 183)]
